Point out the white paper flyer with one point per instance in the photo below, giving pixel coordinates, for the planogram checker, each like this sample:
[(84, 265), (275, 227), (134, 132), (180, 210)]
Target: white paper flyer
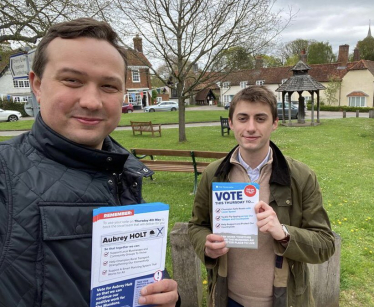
[(234, 216), (128, 252)]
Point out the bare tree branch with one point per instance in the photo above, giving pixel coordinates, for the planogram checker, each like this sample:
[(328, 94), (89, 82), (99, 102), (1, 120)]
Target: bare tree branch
[(184, 33)]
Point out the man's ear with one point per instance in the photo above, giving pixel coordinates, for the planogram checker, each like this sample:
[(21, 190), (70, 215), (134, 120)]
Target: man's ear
[(35, 83)]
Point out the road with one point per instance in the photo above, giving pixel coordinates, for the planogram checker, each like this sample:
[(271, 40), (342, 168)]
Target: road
[(322, 115)]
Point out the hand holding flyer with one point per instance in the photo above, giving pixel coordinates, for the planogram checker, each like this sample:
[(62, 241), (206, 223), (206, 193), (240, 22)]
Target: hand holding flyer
[(128, 252), (234, 217)]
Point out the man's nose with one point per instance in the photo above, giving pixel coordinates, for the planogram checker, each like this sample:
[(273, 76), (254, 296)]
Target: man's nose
[(91, 98), (251, 125)]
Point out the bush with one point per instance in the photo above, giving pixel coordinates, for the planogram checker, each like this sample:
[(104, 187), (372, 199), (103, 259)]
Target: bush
[(16, 106), (340, 108)]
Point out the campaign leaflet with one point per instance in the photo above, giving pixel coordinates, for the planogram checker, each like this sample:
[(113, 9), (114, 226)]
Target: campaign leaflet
[(128, 252), (234, 216)]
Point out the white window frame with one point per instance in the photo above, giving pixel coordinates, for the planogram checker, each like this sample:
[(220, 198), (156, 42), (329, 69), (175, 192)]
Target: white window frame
[(227, 98), (138, 99), (158, 99), (226, 85), (243, 84), (357, 101), (260, 82), (21, 83), (135, 75)]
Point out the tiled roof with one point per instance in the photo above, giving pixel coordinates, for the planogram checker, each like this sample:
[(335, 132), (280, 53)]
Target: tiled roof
[(135, 58), (357, 93), (275, 75), (300, 83)]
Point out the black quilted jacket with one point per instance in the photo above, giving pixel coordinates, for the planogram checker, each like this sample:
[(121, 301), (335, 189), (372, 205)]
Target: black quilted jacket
[(48, 189)]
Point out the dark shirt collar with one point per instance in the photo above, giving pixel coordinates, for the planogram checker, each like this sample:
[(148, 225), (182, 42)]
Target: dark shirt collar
[(58, 148)]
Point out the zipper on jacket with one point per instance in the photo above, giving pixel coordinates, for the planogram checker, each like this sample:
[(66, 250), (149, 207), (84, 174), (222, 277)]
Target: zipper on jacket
[(116, 186)]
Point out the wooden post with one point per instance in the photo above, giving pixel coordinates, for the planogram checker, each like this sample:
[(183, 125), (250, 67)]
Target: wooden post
[(325, 279), (344, 113), (357, 113), (186, 267), (371, 113)]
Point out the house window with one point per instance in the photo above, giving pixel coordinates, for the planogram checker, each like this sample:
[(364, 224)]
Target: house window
[(135, 76), (260, 82), (227, 98), (159, 99), (243, 84), (135, 99), (21, 83), (357, 101), (225, 84), (16, 99)]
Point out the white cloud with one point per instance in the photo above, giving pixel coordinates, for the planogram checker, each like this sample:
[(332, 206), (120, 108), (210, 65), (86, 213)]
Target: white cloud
[(338, 22)]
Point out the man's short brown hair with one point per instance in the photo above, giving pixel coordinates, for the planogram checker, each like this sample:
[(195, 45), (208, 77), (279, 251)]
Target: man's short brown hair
[(255, 93), (81, 27)]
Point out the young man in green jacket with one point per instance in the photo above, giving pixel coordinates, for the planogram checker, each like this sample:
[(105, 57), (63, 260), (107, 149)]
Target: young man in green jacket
[(294, 228)]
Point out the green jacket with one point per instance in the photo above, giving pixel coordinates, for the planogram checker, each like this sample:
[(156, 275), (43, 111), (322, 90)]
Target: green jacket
[(296, 198)]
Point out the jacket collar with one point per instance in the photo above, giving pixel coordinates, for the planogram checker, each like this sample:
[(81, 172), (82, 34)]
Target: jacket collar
[(60, 149), (280, 170)]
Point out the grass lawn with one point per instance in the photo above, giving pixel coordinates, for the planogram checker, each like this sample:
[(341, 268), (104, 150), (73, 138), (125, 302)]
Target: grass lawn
[(340, 151)]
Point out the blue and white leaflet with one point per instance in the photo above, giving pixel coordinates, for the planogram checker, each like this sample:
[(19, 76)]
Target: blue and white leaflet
[(128, 252), (233, 213)]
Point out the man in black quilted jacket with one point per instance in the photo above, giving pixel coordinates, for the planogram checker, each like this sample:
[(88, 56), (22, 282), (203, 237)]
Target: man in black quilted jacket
[(52, 177)]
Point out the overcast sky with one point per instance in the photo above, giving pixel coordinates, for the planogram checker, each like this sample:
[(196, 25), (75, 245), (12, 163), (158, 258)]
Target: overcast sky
[(338, 22)]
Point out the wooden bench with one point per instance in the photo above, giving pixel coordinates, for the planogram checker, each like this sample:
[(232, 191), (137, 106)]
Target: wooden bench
[(225, 127), (145, 127), (187, 166)]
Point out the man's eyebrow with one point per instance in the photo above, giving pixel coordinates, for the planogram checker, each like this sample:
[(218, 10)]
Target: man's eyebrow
[(71, 70), (82, 73)]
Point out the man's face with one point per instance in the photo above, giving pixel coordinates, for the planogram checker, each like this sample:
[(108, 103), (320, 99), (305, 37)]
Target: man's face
[(81, 90), (253, 124)]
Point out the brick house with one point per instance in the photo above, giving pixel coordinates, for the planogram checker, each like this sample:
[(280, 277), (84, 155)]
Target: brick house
[(138, 82)]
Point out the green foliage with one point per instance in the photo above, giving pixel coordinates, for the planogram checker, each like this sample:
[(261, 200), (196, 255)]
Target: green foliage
[(366, 48), (271, 61), (339, 108), (320, 53), (332, 89), (15, 106), (235, 58)]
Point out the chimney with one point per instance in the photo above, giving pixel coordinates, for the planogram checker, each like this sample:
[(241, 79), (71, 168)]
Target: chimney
[(303, 56), (138, 45), (356, 55), (343, 55), (259, 62)]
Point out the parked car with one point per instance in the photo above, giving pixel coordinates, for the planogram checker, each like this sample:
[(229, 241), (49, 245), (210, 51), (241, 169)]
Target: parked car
[(163, 106), (127, 108), (9, 115), (227, 106), (294, 111)]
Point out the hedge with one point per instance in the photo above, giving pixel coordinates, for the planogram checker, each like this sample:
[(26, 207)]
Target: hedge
[(340, 108), (16, 106)]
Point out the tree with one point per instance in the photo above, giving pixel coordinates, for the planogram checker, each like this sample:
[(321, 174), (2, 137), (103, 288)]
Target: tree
[(292, 50), (320, 53), (271, 61), (332, 88), (366, 48), (234, 58), (195, 33), (27, 20)]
